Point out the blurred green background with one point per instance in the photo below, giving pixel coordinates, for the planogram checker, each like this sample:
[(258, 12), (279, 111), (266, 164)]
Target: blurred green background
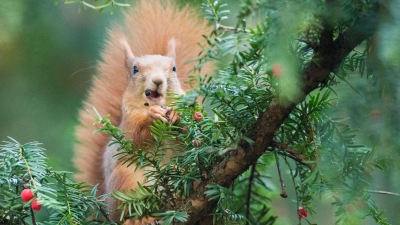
[(48, 55)]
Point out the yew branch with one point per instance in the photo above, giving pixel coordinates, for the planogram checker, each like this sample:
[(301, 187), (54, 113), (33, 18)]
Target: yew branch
[(328, 56)]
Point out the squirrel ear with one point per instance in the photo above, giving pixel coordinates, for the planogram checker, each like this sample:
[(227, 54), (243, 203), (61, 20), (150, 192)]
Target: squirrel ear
[(128, 53), (171, 48)]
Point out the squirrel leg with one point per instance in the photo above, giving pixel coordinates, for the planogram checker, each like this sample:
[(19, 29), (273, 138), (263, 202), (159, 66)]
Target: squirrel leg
[(118, 175), (123, 178)]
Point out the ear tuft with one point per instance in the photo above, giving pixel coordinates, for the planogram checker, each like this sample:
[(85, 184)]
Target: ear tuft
[(171, 48), (128, 53)]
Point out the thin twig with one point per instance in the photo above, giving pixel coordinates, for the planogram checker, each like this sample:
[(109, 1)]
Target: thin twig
[(294, 185), (288, 149), (32, 216), (283, 193), (309, 166), (104, 213), (169, 193), (291, 153), (251, 178), (228, 28), (383, 192)]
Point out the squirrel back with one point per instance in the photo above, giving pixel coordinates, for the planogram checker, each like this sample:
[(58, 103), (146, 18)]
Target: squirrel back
[(148, 28)]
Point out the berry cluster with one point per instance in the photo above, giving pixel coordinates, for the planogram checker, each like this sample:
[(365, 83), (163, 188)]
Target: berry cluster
[(27, 195)]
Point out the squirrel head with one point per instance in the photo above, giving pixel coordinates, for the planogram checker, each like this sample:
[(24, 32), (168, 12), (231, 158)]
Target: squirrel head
[(151, 77)]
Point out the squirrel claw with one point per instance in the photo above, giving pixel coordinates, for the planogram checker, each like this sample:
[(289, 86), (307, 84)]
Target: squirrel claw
[(172, 116), (164, 113), (157, 112)]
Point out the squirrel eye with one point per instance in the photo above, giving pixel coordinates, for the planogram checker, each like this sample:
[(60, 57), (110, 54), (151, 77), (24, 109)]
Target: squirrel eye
[(135, 69), (174, 68)]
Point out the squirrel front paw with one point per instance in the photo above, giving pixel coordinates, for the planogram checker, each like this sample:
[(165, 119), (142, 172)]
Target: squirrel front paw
[(162, 112), (158, 112)]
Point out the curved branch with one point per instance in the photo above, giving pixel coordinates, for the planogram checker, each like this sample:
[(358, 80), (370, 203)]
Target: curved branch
[(327, 58), (291, 153)]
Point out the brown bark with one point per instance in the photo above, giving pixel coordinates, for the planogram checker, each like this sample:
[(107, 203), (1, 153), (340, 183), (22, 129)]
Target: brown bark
[(329, 55)]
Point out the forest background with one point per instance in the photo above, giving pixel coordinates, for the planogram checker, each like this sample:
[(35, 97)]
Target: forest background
[(48, 55)]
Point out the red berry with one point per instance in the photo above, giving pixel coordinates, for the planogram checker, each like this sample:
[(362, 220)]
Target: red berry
[(276, 70), (26, 194), (196, 143), (35, 205), (302, 212), (198, 116)]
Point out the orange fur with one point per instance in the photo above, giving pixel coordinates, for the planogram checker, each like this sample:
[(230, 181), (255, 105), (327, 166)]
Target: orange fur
[(147, 29)]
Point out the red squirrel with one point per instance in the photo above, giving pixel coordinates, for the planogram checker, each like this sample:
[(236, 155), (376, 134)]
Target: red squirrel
[(144, 58)]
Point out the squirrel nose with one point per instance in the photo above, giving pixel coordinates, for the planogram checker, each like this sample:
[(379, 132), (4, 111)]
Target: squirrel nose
[(157, 82)]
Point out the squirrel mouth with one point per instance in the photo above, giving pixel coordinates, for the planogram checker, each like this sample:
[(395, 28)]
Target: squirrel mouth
[(152, 95)]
